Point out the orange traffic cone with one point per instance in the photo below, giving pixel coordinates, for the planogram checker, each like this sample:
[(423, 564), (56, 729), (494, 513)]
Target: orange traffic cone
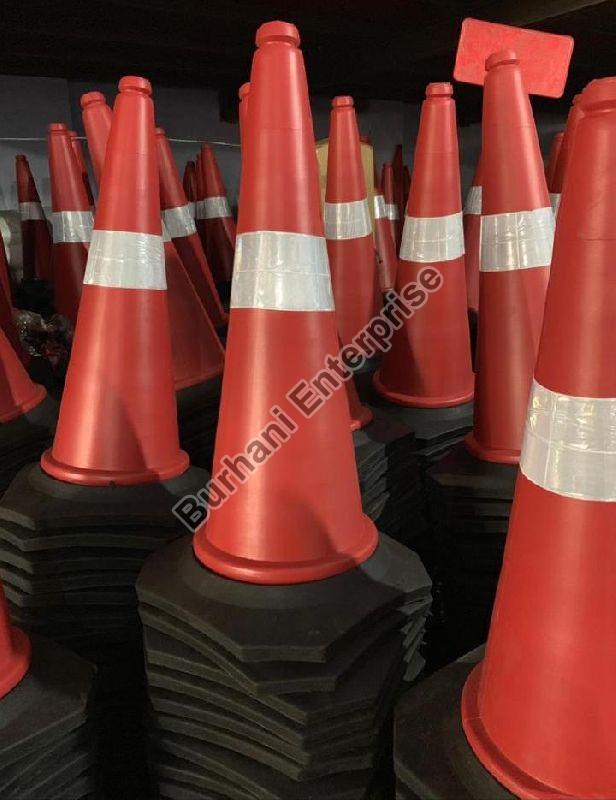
[(517, 230), (15, 650), (180, 224), (429, 362), (397, 164), (472, 239), (72, 221), (539, 710), (78, 151), (385, 245), (348, 228), (219, 227), (117, 421), (18, 394), (243, 93), (189, 182), (97, 117), (35, 236), (283, 326), (550, 167), (7, 324), (5, 280), (564, 156), (393, 214)]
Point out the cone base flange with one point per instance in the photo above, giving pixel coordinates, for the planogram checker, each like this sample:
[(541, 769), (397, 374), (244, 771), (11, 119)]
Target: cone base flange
[(421, 401), (494, 454)]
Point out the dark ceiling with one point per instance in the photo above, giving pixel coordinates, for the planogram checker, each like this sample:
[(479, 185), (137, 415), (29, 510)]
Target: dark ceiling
[(386, 49)]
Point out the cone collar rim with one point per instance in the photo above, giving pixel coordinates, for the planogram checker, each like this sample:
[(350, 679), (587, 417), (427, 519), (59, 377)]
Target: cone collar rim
[(97, 477), (416, 401), (495, 455)]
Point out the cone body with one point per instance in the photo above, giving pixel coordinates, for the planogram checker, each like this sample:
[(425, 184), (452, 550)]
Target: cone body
[(397, 164), (384, 242), (539, 710), (472, 239), (7, 324), (15, 651), (96, 116), (78, 151), (517, 230), (348, 229), (117, 420), (18, 394), (391, 209), (218, 225), (71, 221), (189, 182), (298, 517), (180, 223), (5, 280), (550, 168), (429, 363), (35, 236), (564, 156)]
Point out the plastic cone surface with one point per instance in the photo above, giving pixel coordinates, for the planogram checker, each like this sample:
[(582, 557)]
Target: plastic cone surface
[(517, 232), (189, 182), (539, 710), (7, 324), (15, 650), (550, 167), (96, 116), (18, 394), (298, 517), (348, 227), (179, 221), (429, 362), (472, 239), (391, 209), (117, 420), (5, 280), (243, 93), (397, 165), (35, 236), (78, 150), (564, 156), (383, 239), (213, 208), (71, 220)]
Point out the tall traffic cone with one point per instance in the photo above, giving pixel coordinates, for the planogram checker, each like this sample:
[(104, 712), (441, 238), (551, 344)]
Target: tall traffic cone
[(472, 239), (15, 651), (397, 164), (391, 208), (385, 245), (348, 228), (243, 93), (7, 324), (189, 182), (18, 394), (78, 151), (5, 279), (181, 227), (550, 167), (219, 226), (35, 236), (247, 564), (97, 117), (429, 362), (564, 156), (72, 221)]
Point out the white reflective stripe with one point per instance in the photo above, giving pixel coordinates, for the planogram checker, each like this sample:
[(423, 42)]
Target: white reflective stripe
[(123, 260), (392, 212), (555, 201), (473, 201), (31, 211), (430, 239), (179, 221), (191, 208), (212, 207), (164, 230), (380, 211), (281, 272), (517, 240), (570, 445), (347, 220), (72, 226)]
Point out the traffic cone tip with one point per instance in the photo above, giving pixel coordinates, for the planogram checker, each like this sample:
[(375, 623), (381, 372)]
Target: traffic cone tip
[(277, 31), (89, 98)]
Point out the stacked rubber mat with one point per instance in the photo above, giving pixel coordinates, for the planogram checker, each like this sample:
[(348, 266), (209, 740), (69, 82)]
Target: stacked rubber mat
[(282, 691), (197, 420)]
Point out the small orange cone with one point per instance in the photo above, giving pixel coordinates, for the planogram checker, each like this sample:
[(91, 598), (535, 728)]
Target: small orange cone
[(348, 228), (72, 221), (564, 156), (391, 209), (35, 236), (219, 227), (385, 245), (117, 422), (78, 150), (429, 362), (189, 182), (97, 117), (18, 394), (180, 224), (15, 650), (298, 518), (472, 239)]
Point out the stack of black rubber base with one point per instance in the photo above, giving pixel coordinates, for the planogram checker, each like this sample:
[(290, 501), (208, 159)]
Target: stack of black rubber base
[(281, 692), (432, 758), (23, 439), (469, 502), (69, 559), (197, 421), (47, 744)]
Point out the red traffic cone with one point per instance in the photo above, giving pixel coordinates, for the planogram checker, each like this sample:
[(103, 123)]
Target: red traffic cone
[(243, 93), (407, 184), (517, 230), (117, 422), (78, 151), (7, 324), (97, 117), (397, 164), (472, 239), (189, 182), (35, 236), (72, 221), (429, 362), (385, 245), (550, 167), (539, 710), (5, 281), (348, 228), (564, 156), (213, 208), (393, 215), (18, 394), (15, 650), (298, 517), (180, 224)]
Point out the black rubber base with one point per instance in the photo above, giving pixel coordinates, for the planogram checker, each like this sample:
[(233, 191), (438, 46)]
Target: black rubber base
[(197, 420), (432, 757)]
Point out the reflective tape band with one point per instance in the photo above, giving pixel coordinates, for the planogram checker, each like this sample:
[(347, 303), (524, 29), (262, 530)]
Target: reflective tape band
[(555, 201), (281, 272), (165, 231), (212, 207), (392, 212), (430, 239), (123, 260), (473, 201), (31, 211), (380, 210), (179, 221), (191, 208), (72, 226), (347, 220), (570, 445), (517, 240)]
